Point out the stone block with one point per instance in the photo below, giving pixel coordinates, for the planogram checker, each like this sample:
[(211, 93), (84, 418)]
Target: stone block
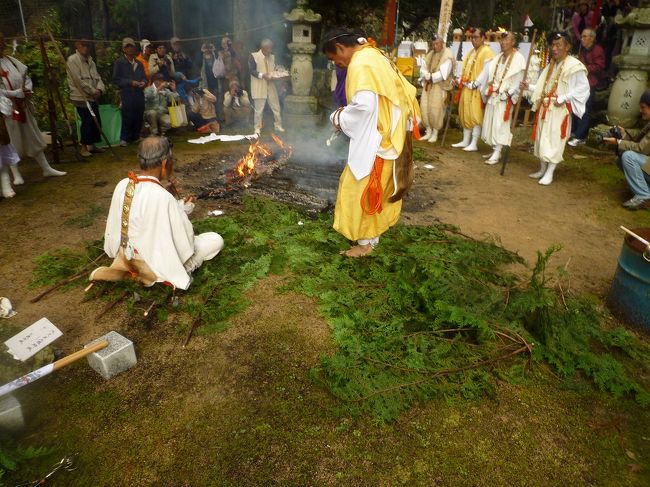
[(114, 359), (11, 414)]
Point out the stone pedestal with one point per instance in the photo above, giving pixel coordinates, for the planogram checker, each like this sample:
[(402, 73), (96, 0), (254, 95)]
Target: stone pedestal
[(301, 108), (114, 359), (634, 65)]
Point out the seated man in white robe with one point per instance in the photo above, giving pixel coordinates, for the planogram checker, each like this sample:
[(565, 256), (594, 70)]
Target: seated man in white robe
[(148, 232)]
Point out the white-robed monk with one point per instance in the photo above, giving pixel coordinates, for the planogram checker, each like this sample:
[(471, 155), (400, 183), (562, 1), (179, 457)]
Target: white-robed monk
[(468, 96), (505, 73), (378, 119), (561, 90), (25, 135), (436, 76), (148, 232)]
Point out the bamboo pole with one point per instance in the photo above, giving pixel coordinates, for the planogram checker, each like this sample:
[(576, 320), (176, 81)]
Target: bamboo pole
[(51, 107), (48, 369)]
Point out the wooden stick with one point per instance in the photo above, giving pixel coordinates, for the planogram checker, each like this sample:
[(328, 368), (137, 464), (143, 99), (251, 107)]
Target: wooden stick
[(58, 285), (66, 281), (640, 239), (51, 107), (79, 354), (197, 318), (146, 313), (111, 305)]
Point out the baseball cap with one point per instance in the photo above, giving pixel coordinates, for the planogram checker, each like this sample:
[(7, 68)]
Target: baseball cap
[(127, 41), (174, 39), (144, 43)]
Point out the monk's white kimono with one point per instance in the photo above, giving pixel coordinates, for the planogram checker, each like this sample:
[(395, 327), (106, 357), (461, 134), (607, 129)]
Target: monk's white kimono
[(500, 94), (160, 233), (554, 107), (25, 135)]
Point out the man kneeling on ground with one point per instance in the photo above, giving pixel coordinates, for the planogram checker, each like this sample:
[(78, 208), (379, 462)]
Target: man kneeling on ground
[(157, 98), (633, 151), (148, 232)]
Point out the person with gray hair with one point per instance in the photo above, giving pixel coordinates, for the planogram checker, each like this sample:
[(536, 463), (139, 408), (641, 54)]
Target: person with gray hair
[(261, 64), (148, 232), (593, 57)]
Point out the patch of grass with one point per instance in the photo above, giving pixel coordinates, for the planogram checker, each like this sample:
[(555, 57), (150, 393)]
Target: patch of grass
[(88, 218)]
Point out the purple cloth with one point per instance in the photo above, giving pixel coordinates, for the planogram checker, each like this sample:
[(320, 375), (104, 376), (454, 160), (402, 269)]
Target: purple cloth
[(339, 92)]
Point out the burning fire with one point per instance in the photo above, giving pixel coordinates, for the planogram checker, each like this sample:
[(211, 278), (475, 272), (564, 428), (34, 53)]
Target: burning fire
[(258, 153)]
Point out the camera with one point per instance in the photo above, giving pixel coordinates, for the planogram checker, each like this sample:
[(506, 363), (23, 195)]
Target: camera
[(240, 92), (614, 132), (198, 91)]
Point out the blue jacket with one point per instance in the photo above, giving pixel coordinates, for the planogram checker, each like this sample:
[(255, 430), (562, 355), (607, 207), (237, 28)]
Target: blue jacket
[(124, 73)]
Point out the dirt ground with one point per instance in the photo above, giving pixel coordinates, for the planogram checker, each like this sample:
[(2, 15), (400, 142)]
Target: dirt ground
[(222, 411)]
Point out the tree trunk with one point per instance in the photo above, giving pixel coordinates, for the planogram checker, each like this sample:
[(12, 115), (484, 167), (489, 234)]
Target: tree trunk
[(106, 19)]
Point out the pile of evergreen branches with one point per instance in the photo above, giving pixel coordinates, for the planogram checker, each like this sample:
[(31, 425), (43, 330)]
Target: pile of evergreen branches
[(431, 312)]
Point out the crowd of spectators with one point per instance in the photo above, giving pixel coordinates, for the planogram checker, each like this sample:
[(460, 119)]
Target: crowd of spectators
[(596, 40), (151, 79)]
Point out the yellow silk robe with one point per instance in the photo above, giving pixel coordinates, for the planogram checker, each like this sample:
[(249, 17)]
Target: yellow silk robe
[(470, 106)]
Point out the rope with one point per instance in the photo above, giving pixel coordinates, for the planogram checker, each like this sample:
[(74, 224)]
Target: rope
[(188, 39), (373, 193)]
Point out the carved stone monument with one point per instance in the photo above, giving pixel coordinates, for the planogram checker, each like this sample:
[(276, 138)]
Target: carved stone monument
[(634, 65), (300, 108)]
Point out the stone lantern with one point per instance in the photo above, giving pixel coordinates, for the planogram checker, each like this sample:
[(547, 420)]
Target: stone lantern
[(634, 65), (300, 107)]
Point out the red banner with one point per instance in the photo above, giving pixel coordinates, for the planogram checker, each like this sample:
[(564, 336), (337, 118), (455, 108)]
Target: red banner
[(388, 32)]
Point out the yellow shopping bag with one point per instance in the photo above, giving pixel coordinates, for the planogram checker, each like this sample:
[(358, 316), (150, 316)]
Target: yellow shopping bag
[(177, 114)]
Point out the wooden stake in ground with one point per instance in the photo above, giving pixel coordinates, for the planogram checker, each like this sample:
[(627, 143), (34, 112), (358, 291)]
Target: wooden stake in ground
[(48, 369), (197, 319), (51, 107)]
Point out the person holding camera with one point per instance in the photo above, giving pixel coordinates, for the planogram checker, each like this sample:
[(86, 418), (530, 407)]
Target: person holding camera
[(161, 62), (157, 98), (633, 149), (203, 114), (237, 105)]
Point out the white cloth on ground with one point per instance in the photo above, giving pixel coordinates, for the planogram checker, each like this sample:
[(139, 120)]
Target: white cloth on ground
[(159, 232)]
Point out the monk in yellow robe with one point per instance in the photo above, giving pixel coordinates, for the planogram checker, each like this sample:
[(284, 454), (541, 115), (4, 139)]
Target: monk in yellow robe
[(381, 113), (470, 103)]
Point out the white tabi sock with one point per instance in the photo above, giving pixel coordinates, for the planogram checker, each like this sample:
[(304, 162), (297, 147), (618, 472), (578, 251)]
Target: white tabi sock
[(18, 179), (540, 173), (467, 135), (496, 155), (45, 166), (5, 183), (476, 133), (548, 175)]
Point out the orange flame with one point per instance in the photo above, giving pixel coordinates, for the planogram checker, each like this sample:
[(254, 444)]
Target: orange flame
[(256, 152)]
